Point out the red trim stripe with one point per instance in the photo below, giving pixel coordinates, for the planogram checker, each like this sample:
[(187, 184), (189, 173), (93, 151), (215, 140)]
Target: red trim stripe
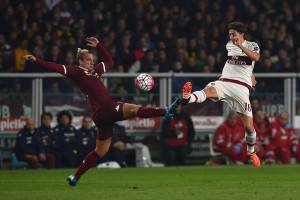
[(237, 82), (195, 97)]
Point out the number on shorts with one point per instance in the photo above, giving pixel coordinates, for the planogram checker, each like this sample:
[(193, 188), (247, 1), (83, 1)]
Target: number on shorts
[(248, 107)]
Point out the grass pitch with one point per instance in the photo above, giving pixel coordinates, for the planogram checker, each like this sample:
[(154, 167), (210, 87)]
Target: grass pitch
[(182, 183)]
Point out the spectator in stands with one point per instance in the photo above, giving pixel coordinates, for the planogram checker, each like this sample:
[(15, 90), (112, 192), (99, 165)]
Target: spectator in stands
[(5, 54), (85, 138), (54, 55), (179, 32), (284, 139), (20, 52), (47, 140), (69, 59), (255, 104), (66, 149), (164, 64), (148, 63), (27, 145), (176, 138), (229, 139)]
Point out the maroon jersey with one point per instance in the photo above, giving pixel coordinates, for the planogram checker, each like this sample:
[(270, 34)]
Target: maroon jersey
[(89, 84)]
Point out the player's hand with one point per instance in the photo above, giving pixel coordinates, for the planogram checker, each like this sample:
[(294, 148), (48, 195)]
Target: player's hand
[(30, 58), (237, 41), (92, 41)]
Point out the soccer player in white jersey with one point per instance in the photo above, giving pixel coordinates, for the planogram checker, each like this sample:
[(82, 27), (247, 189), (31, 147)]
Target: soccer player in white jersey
[(235, 83)]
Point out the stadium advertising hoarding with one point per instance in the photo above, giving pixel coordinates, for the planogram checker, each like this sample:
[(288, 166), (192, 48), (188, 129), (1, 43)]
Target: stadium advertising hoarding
[(11, 124), (153, 124), (132, 125)]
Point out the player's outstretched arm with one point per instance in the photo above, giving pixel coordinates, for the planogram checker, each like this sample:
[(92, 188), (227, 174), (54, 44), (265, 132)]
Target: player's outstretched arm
[(107, 58), (47, 65)]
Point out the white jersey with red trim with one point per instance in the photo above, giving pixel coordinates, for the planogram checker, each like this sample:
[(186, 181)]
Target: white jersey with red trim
[(238, 65)]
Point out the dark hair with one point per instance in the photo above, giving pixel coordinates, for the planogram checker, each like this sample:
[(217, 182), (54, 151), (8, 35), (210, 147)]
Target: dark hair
[(64, 112), (46, 114), (238, 26)]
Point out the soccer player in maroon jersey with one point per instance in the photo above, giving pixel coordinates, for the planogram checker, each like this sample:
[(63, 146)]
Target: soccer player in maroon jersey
[(105, 111)]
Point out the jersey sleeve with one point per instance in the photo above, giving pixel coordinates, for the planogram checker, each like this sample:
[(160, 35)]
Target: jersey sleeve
[(254, 47), (62, 69), (107, 60)]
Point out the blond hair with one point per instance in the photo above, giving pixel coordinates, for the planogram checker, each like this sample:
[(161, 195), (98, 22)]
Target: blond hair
[(80, 53)]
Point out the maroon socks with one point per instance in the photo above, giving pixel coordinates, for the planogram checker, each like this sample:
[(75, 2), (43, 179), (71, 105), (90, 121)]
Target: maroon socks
[(146, 112), (88, 162)]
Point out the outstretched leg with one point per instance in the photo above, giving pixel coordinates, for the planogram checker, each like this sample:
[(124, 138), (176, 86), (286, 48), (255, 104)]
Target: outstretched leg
[(102, 146), (209, 92), (133, 110)]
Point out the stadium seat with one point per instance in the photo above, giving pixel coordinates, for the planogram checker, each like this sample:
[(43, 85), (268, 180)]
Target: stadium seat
[(214, 154), (211, 149)]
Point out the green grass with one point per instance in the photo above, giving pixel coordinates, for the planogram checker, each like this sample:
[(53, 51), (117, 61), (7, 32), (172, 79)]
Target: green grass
[(183, 183)]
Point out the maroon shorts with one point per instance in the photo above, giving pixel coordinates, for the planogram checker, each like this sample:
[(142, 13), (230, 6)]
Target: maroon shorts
[(105, 118)]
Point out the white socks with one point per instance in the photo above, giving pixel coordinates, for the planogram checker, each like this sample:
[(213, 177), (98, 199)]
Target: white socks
[(197, 97), (251, 139)]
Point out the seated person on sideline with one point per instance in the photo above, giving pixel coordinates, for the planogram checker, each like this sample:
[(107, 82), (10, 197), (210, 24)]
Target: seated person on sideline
[(47, 140), (27, 145), (66, 143), (263, 133), (229, 139), (284, 140), (85, 138), (176, 137)]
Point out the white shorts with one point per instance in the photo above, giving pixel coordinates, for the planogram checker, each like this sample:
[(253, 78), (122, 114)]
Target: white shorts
[(235, 95)]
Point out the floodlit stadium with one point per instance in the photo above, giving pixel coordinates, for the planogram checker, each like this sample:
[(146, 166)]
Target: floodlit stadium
[(149, 99)]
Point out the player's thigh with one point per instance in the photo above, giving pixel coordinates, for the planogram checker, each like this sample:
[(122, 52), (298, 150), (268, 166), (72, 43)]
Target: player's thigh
[(215, 90), (130, 110), (211, 92)]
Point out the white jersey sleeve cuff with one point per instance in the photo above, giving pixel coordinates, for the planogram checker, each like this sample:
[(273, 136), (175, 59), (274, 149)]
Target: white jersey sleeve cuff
[(65, 69), (104, 68)]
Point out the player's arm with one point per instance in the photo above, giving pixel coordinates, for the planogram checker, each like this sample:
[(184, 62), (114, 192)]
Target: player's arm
[(253, 79), (47, 65), (107, 62), (253, 54)]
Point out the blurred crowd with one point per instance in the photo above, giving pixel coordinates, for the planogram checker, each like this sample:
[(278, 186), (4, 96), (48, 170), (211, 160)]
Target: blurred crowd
[(149, 35), (277, 141)]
